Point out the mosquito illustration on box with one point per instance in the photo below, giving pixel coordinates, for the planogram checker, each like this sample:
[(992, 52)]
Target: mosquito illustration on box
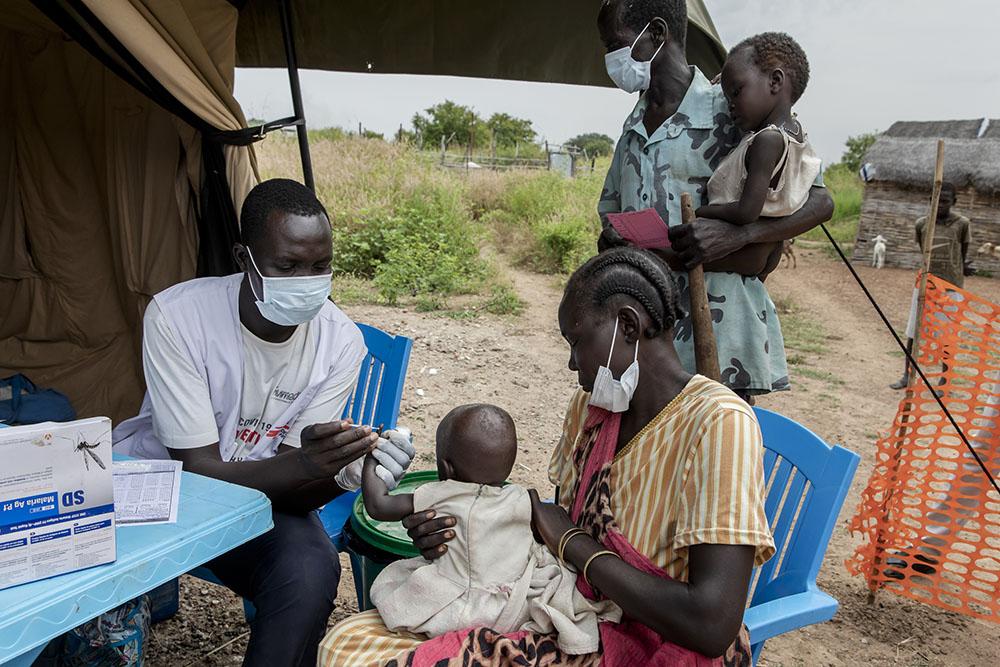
[(86, 449)]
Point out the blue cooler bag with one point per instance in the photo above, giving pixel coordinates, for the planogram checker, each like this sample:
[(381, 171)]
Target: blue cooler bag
[(21, 402)]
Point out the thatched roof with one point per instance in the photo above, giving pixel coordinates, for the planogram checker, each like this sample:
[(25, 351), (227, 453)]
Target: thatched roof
[(906, 153), (935, 129)]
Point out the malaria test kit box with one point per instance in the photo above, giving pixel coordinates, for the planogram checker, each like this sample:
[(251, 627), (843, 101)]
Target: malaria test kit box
[(57, 511)]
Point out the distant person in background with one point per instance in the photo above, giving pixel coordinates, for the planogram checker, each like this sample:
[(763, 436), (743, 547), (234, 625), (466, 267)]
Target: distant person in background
[(949, 259), (952, 236)]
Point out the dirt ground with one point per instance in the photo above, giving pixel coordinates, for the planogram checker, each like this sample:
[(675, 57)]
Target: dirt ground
[(520, 364)]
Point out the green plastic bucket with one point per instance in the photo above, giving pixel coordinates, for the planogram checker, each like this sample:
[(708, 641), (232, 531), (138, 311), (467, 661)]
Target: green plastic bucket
[(371, 545)]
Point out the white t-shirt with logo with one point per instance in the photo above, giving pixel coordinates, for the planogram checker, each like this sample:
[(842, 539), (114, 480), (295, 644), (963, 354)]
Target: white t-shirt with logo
[(273, 376)]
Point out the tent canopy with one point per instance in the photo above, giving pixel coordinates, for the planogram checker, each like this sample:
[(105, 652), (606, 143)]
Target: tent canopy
[(553, 41), (104, 166), (123, 156)]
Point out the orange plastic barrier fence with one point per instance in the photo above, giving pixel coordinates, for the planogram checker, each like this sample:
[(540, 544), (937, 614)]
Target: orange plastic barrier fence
[(930, 516)]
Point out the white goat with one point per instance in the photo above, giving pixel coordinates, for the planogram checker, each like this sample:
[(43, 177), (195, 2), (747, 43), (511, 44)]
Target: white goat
[(878, 252)]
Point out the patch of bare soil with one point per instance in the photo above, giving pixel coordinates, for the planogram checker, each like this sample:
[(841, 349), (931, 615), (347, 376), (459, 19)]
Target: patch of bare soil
[(841, 393)]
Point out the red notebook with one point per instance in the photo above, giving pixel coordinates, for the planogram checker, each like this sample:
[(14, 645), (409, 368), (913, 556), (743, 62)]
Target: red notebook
[(643, 229)]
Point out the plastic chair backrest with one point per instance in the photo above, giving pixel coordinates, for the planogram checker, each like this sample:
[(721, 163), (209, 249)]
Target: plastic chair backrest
[(375, 402), (806, 483), (380, 383)]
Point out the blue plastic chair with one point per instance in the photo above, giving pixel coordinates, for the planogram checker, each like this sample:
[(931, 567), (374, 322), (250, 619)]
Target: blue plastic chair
[(376, 401), (807, 482)]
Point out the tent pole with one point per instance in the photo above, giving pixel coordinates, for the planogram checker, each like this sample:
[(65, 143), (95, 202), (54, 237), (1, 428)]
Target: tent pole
[(293, 82)]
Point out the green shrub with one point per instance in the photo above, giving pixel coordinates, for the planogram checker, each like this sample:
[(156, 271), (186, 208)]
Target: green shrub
[(424, 247), (504, 301), (360, 248), (404, 229), (562, 244), (531, 198), (546, 221)]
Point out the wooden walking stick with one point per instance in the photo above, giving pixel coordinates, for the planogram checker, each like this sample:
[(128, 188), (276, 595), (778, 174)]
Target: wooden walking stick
[(915, 349), (706, 354)]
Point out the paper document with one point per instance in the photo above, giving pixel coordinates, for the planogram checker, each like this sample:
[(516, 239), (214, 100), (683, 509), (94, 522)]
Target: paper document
[(644, 229), (146, 491)]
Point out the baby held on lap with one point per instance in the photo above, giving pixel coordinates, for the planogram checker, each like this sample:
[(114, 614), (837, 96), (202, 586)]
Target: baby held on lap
[(493, 573)]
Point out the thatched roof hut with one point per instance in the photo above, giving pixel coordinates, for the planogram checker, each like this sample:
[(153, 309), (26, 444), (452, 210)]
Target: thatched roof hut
[(900, 171)]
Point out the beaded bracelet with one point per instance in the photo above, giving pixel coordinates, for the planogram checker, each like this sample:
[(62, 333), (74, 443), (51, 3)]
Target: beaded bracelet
[(603, 552)]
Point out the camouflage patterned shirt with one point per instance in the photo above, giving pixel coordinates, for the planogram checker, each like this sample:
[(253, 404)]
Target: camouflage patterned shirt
[(652, 171)]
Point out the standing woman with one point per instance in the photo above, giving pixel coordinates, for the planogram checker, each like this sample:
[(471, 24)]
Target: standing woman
[(661, 503)]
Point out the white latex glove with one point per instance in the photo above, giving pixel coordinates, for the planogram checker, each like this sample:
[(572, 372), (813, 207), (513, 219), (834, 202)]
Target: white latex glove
[(394, 453), (349, 477)]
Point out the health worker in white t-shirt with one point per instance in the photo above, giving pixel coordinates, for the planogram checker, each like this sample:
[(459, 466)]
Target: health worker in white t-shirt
[(247, 376)]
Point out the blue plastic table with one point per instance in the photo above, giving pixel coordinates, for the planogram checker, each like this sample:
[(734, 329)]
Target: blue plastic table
[(213, 517)]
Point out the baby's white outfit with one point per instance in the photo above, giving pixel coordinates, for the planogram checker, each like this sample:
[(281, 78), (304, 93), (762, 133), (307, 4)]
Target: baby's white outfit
[(493, 574), (799, 166)]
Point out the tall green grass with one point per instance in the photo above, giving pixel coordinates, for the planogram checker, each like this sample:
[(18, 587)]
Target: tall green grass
[(406, 229), (847, 191), (399, 223), (543, 221)]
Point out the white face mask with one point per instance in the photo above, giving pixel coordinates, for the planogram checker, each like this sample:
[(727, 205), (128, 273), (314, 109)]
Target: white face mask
[(290, 301), (609, 393), (628, 73)]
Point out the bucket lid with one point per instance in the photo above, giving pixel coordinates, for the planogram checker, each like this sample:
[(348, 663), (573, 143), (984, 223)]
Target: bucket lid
[(389, 536)]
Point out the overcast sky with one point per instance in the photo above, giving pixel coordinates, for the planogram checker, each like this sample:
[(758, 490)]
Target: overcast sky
[(872, 62)]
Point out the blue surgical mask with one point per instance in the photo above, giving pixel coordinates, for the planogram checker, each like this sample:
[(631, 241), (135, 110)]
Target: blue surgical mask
[(290, 301), (628, 73), (609, 393)]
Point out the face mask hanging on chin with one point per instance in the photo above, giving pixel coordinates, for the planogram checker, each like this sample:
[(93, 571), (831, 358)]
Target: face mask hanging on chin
[(290, 301), (629, 74), (611, 394)]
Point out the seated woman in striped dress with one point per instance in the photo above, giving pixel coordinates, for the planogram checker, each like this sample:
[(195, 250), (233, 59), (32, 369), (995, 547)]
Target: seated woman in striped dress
[(660, 496)]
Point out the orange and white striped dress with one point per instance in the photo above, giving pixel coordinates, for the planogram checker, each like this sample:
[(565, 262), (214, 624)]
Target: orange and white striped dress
[(693, 475)]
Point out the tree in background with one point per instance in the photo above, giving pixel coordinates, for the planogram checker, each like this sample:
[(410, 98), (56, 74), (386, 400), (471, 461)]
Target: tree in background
[(594, 143), (509, 131), (449, 121), (856, 147), (461, 125)]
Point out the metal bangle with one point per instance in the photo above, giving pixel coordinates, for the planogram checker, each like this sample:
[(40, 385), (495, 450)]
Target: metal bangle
[(564, 540), (603, 552), (566, 544)]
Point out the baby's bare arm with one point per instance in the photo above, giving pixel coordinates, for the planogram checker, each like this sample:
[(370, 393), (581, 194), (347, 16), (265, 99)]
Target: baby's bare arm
[(378, 503)]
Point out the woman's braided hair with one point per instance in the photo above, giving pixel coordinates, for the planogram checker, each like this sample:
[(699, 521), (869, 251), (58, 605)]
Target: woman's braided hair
[(630, 272)]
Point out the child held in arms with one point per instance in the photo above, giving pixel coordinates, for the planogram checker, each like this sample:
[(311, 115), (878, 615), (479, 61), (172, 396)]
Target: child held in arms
[(771, 170), (492, 573)]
